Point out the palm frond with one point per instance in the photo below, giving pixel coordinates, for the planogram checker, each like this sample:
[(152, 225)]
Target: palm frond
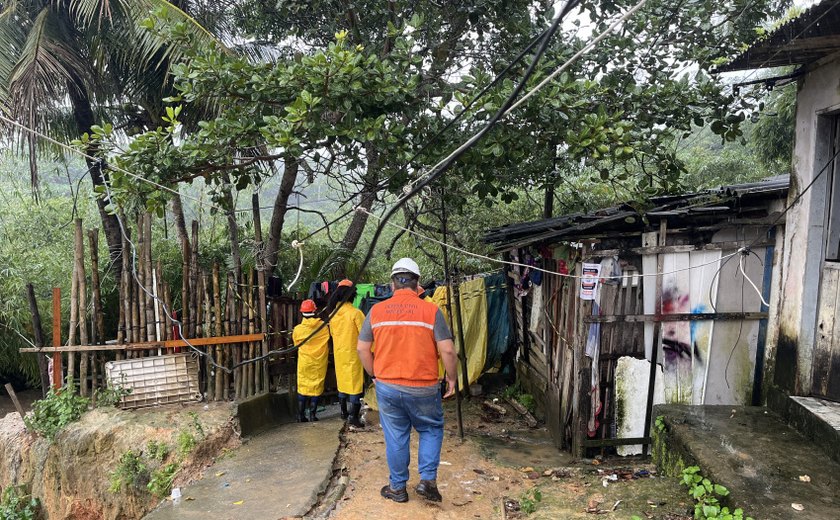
[(13, 25)]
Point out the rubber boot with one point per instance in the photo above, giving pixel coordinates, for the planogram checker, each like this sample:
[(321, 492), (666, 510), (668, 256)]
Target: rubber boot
[(312, 409), (342, 402), (354, 420), (302, 412)]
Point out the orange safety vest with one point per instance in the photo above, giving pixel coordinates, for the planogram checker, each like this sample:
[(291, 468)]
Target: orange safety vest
[(405, 350)]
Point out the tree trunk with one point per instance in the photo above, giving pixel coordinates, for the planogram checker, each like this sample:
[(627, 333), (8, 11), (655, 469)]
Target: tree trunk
[(83, 115), (278, 216), (368, 197), (233, 232), (39, 339), (180, 222)]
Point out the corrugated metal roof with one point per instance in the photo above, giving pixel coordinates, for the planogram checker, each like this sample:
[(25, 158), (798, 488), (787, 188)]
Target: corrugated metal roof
[(716, 204), (810, 36)]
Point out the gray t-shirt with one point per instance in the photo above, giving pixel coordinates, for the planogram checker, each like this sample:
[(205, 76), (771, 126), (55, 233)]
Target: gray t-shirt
[(441, 329)]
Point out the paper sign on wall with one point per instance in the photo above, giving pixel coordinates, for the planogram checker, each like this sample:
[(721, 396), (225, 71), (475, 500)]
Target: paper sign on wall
[(589, 281)]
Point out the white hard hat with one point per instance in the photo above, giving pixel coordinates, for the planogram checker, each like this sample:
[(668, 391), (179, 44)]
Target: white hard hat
[(406, 265)]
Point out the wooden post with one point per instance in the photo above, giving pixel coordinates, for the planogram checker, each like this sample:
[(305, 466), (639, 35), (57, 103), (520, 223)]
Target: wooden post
[(448, 274), (657, 328), (39, 338), (14, 399), (56, 340), (141, 278)]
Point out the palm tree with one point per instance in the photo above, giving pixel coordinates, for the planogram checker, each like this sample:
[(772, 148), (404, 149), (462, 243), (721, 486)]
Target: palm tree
[(66, 65)]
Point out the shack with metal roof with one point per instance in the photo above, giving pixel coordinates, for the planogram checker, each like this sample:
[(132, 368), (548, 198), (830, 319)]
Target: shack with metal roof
[(593, 293)]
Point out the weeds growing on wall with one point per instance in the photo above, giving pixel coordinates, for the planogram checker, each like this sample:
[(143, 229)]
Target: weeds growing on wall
[(55, 411), (17, 504), (707, 495), (130, 474)]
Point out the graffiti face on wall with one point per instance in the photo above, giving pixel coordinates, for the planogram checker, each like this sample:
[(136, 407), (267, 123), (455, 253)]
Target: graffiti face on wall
[(680, 356)]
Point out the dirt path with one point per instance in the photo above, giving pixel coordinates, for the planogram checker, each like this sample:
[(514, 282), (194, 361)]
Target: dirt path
[(501, 461)]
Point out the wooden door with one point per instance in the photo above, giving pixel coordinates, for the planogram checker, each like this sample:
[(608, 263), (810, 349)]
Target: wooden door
[(826, 371)]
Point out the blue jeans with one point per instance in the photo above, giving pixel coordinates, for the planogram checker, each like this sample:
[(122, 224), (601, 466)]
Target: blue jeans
[(400, 409)]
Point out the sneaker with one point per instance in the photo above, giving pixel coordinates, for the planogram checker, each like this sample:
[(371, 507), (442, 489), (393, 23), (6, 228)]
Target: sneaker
[(428, 490), (400, 495)]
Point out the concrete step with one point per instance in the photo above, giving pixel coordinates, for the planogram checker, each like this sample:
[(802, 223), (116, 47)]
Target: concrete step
[(755, 454), (817, 419)]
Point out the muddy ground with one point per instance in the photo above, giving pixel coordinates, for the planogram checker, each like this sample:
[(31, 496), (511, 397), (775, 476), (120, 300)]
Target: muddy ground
[(501, 461)]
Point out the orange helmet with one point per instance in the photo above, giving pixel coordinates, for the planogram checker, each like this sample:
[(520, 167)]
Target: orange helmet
[(308, 307), (345, 283)]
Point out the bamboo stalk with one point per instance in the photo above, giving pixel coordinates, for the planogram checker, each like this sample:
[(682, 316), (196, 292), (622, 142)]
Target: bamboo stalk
[(150, 279), (261, 315), (185, 285), (96, 294), (217, 303), (193, 300), (210, 389), (39, 338), (248, 314), (141, 277), (167, 301), (242, 317), (228, 331), (125, 292), (72, 336), (84, 361)]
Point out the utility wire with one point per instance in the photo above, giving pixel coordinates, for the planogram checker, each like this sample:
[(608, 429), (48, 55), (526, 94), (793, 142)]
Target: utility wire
[(518, 264), (97, 159), (444, 165), (510, 106)]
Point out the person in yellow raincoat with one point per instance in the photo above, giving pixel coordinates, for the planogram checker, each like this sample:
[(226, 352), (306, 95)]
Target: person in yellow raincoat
[(312, 359), (345, 324)]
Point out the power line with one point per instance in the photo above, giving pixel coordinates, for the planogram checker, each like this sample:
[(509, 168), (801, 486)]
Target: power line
[(448, 161), (518, 264), (98, 159)]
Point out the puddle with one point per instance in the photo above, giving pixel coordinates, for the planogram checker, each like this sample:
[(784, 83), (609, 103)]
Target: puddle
[(522, 448)]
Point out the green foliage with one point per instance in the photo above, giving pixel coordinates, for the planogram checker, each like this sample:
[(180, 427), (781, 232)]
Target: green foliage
[(515, 392), (527, 400), (196, 425), (160, 483), (156, 451), (55, 411), (186, 442), (17, 504), (659, 424), (130, 474), (707, 496), (530, 499), (112, 396)]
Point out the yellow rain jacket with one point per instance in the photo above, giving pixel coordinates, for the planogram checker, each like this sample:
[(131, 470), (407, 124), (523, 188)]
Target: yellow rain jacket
[(312, 357), (345, 326)]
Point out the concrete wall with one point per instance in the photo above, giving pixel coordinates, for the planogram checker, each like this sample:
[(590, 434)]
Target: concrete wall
[(794, 313)]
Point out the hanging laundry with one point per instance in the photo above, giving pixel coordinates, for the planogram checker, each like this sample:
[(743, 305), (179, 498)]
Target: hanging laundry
[(499, 332), (362, 290), (474, 318)]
